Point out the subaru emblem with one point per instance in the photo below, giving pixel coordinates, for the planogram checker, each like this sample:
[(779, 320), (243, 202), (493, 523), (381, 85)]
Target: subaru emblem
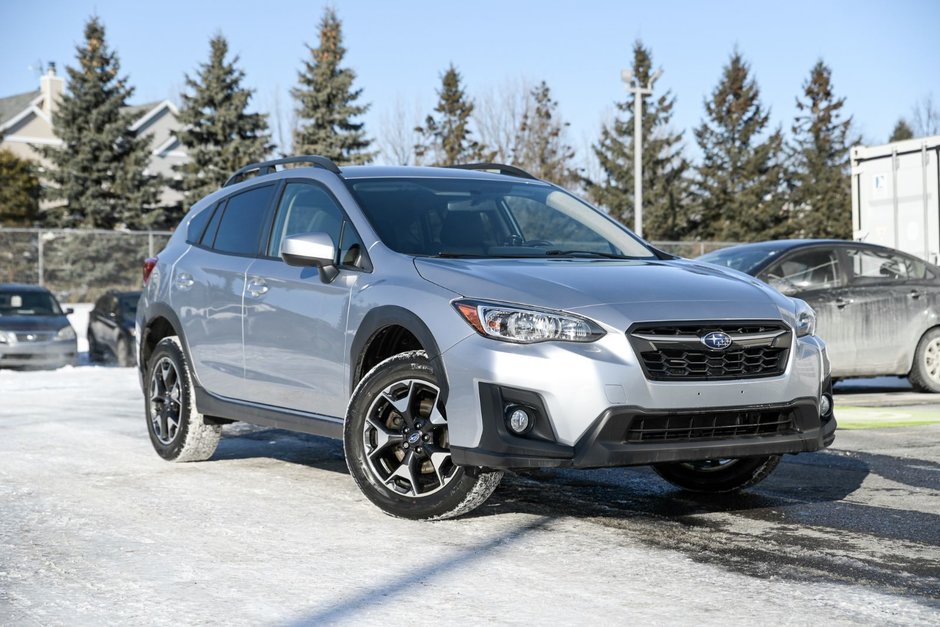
[(717, 340)]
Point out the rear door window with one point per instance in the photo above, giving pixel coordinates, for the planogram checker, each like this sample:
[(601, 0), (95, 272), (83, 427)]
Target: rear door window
[(871, 266), (244, 220)]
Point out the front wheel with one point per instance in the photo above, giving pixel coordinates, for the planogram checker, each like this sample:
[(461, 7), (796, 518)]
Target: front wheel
[(397, 446), (718, 475), (925, 375)]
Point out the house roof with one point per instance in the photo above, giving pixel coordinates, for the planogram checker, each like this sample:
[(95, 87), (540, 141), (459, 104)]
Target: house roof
[(11, 106)]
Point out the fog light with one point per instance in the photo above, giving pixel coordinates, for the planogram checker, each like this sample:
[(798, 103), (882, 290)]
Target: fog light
[(518, 419), (825, 405)]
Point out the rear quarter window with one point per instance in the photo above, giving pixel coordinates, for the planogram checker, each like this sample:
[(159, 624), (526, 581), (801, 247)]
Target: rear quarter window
[(244, 219)]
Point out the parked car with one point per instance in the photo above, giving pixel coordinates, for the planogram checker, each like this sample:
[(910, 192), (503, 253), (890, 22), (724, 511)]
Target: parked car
[(877, 308), (34, 330), (449, 323), (111, 328)]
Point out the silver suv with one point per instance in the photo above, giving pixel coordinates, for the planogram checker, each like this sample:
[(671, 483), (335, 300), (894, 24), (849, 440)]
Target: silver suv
[(450, 323)]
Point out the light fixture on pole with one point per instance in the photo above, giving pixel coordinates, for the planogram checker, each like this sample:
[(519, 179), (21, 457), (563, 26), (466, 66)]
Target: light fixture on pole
[(638, 91)]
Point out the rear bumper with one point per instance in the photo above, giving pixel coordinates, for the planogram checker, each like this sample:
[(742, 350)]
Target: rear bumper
[(39, 354), (613, 439)]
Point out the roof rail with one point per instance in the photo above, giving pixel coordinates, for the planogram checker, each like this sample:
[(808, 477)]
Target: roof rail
[(498, 168), (269, 167)]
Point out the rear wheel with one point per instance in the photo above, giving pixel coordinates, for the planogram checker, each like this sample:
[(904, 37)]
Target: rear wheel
[(94, 349), (925, 375), (718, 475), (397, 446), (177, 431)]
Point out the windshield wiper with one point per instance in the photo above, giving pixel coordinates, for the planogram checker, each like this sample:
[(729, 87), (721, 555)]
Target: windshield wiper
[(586, 253)]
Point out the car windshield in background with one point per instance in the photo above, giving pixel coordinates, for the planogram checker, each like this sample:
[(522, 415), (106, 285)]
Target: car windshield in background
[(744, 259), (27, 303), (478, 218)]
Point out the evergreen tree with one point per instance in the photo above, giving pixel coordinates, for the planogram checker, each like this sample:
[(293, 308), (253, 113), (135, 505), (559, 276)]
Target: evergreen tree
[(99, 171), (218, 132), (664, 168), (539, 145), (821, 200), (902, 130), (739, 184), (448, 140), (327, 102), (19, 191)]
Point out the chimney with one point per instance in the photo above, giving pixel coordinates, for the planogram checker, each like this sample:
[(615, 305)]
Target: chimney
[(51, 88)]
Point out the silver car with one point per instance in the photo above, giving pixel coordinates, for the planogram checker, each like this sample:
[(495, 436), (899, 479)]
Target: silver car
[(450, 323), (34, 330)]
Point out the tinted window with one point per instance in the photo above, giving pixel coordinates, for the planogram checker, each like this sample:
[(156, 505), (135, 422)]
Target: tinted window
[(28, 303), (806, 270), (197, 225), (209, 235), (305, 208), (243, 221), (875, 266), (128, 305)]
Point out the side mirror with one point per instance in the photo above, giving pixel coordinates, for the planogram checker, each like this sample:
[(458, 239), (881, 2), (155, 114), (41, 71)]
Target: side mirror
[(69, 311), (309, 250)]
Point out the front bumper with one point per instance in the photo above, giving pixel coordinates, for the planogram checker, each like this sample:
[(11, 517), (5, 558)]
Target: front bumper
[(591, 393), (39, 354)]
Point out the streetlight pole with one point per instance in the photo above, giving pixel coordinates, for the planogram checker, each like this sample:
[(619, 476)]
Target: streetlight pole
[(634, 86)]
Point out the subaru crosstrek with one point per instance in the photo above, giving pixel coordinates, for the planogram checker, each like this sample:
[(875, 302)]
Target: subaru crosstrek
[(450, 323)]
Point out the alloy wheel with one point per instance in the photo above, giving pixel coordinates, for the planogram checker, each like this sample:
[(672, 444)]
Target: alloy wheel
[(165, 401), (932, 359)]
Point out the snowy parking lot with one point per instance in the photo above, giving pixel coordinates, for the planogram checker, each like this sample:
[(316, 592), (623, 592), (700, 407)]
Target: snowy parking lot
[(96, 529)]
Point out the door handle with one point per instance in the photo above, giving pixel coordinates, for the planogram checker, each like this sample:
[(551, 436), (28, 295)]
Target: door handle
[(184, 281), (256, 287), (842, 302), (915, 294)]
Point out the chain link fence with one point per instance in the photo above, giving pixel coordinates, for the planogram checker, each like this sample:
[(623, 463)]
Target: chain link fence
[(77, 265), (80, 265)]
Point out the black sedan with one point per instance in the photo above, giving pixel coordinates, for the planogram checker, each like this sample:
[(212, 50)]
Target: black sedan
[(878, 309), (111, 328)]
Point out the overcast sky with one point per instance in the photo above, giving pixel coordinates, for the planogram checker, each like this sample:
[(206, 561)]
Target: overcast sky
[(885, 55)]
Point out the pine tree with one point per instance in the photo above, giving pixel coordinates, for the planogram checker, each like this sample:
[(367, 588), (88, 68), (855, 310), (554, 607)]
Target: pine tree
[(665, 169), (19, 191), (902, 130), (99, 171), (821, 201), (448, 140), (218, 132), (739, 184), (539, 145), (327, 102)]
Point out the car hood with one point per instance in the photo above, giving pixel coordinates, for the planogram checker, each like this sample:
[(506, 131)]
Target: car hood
[(636, 289), (33, 323)]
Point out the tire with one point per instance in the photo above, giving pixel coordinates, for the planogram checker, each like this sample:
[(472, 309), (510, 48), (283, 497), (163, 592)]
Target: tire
[(125, 356), (925, 374), (718, 475), (397, 427), (177, 431), (94, 351)]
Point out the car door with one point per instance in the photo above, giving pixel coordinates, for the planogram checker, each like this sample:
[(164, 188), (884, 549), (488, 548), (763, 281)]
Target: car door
[(295, 323), (886, 296), (208, 288), (816, 275)]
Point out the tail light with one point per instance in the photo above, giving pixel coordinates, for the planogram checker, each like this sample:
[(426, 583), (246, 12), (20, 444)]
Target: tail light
[(149, 265)]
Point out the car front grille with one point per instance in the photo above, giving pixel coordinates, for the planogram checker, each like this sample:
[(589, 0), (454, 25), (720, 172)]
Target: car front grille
[(676, 352), (709, 425)]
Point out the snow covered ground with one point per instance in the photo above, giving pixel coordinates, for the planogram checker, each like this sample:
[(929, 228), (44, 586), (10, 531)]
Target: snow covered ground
[(95, 528)]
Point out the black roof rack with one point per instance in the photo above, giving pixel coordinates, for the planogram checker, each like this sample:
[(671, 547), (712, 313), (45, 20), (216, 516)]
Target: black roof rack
[(498, 168), (269, 167)]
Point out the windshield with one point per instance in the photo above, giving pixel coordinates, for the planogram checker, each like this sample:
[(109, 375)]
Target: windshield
[(479, 218), (746, 260), (28, 303)]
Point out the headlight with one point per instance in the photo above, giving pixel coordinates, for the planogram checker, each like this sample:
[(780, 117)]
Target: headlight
[(805, 319), (7, 337), (524, 325), (65, 333)]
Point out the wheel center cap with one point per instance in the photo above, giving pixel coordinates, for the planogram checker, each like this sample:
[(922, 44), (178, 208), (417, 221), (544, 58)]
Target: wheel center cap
[(413, 437)]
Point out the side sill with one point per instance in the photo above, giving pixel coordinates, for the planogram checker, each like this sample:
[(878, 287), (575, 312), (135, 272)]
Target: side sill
[(220, 409)]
